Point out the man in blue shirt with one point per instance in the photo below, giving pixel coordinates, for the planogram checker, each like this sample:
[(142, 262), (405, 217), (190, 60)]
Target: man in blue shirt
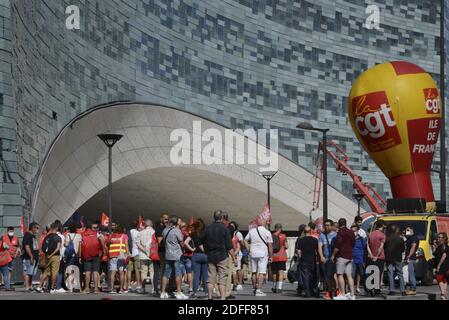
[(358, 261), (325, 251)]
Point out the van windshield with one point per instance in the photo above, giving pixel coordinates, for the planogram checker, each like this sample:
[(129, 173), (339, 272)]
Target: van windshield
[(420, 227)]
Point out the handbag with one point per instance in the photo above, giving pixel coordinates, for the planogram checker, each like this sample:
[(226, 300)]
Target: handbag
[(154, 250), (293, 273)]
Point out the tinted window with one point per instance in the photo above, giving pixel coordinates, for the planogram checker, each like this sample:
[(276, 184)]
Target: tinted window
[(433, 231), (420, 227)]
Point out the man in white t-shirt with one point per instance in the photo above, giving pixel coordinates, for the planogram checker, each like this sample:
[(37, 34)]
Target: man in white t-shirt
[(134, 262), (260, 242), (143, 242)]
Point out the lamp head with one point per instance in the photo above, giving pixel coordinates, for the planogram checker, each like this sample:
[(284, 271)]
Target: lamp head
[(110, 139), (267, 174), (305, 126)]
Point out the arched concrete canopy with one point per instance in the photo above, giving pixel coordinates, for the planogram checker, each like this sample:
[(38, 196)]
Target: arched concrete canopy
[(74, 174)]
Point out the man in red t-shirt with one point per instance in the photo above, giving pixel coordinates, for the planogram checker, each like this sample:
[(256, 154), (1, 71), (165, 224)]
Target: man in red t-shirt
[(278, 264), (376, 242), (342, 255)]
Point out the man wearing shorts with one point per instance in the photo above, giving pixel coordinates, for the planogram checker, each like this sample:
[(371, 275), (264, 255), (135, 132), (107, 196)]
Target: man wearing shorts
[(134, 264), (118, 254), (91, 251), (217, 246), (343, 251), (260, 242), (173, 240), (278, 266), (30, 255), (52, 250)]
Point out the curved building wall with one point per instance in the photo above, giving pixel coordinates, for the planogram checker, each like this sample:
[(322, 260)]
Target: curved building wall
[(241, 63)]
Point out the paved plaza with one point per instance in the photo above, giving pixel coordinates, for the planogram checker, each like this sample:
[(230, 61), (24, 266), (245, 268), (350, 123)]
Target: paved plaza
[(289, 293)]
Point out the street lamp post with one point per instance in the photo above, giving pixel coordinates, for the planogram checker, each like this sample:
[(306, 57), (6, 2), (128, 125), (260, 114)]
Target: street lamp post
[(359, 198), (268, 175), (110, 140), (308, 126), (443, 104)]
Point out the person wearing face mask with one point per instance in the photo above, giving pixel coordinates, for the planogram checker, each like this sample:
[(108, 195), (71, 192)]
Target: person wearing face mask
[(411, 246), (11, 241)]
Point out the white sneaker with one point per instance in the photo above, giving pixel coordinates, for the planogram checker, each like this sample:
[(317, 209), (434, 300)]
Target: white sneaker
[(239, 287), (351, 297), (180, 296), (61, 290), (358, 291), (260, 293), (164, 295), (340, 297), (53, 291)]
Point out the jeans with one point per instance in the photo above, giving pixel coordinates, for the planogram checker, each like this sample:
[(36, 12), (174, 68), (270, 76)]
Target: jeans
[(411, 274), (358, 268), (308, 276), (171, 265), (328, 272), (156, 275), (186, 264), (199, 261), (60, 281), (5, 271), (395, 268)]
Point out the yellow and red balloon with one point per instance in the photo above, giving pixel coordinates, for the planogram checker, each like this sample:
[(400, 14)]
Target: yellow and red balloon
[(395, 112)]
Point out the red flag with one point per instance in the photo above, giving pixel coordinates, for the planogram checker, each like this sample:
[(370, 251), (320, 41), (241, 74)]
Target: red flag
[(104, 220), (22, 225), (140, 221), (191, 221), (264, 215)]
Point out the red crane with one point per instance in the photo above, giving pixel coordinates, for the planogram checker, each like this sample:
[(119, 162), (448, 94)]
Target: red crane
[(340, 158)]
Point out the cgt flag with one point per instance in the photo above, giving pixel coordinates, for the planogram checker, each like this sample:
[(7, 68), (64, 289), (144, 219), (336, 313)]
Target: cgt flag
[(23, 227), (264, 215), (104, 220), (140, 221)]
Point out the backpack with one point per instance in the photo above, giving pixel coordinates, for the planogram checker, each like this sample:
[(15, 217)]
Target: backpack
[(90, 246), (276, 244), (154, 249), (69, 252), (49, 245)]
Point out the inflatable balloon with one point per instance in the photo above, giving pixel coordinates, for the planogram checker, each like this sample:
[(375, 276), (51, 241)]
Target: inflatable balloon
[(394, 110)]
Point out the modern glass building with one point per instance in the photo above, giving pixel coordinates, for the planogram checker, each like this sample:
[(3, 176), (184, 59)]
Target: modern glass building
[(238, 63)]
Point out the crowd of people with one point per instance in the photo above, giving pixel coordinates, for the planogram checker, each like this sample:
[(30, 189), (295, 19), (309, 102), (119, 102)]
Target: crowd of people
[(338, 256), (212, 260)]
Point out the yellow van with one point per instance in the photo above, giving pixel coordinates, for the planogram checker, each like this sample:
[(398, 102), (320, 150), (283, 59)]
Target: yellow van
[(426, 226)]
